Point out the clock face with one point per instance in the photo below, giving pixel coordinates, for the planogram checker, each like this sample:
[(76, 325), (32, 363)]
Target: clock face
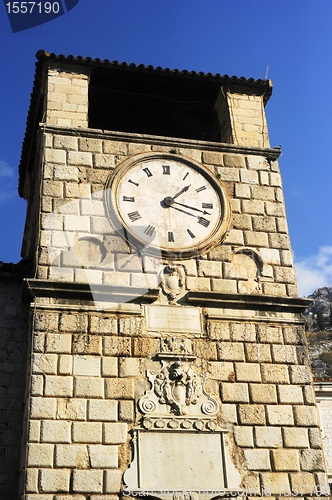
[(168, 203)]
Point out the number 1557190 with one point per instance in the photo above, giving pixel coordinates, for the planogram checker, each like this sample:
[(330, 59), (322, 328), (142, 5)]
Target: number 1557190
[(30, 7)]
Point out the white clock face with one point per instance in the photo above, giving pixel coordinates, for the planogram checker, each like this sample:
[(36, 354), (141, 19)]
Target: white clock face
[(168, 203)]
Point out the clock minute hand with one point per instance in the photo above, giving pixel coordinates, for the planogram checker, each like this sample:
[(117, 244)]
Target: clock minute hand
[(183, 190), (192, 208)]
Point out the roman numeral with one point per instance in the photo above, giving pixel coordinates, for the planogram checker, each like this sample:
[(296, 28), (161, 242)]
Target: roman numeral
[(132, 182), (170, 236), (203, 221), (149, 230), (134, 216), (147, 171), (191, 234), (166, 169), (200, 189), (185, 176), (128, 198), (207, 205)]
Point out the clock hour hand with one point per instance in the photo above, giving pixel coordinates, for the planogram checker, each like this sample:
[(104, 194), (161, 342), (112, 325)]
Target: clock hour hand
[(183, 190), (192, 208)]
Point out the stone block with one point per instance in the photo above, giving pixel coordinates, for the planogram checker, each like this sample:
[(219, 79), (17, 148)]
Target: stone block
[(242, 221), (263, 393), (65, 366), (309, 395), (315, 438), (256, 238), (44, 363), (265, 193), (266, 224), (88, 144), (33, 431), (37, 385), (285, 460), (105, 326), (257, 162), (275, 483), (71, 409), (115, 346), (87, 366), (312, 460), (279, 241), (268, 437), (300, 375), (77, 223), (113, 481), (115, 433), (242, 191), (212, 158), (115, 147), (87, 481), (130, 367), (234, 237), (126, 411), (58, 342), (65, 142), (252, 414), (218, 330), (234, 393), (58, 386), (290, 394), (230, 351), (258, 459), (40, 455), (284, 354), (74, 190), (72, 456), (55, 156), (284, 274), (248, 176), (54, 481), (244, 436), (55, 431), (221, 370), (117, 279), (223, 286), (63, 173), (275, 374), (104, 411), (269, 334), (306, 416), (303, 483), (87, 344), (200, 284), (209, 268), (280, 415), (254, 207), (87, 432), (42, 407), (276, 289), (103, 456), (247, 372), (205, 350), (234, 161), (88, 387), (109, 366), (235, 206), (243, 332), (31, 481), (282, 226), (228, 413), (258, 352), (130, 326), (270, 256), (295, 437), (223, 253), (146, 347), (80, 158), (120, 388)]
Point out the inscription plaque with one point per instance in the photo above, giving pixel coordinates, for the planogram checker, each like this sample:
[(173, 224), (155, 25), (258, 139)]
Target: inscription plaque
[(173, 319)]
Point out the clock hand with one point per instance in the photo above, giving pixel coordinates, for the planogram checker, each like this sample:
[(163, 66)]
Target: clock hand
[(182, 191), (192, 208)]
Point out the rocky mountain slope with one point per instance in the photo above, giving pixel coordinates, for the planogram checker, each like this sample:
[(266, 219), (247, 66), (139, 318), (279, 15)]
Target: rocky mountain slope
[(319, 332)]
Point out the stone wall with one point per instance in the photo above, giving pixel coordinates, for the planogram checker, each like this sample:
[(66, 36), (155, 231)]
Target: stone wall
[(255, 257), (13, 341)]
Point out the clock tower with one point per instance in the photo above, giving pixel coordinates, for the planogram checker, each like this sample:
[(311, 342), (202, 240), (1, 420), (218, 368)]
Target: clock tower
[(167, 352)]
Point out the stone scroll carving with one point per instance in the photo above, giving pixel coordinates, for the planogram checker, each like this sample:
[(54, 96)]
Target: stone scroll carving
[(177, 389)]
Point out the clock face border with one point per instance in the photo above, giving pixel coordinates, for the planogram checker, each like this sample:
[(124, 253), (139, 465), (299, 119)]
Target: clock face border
[(118, 223)]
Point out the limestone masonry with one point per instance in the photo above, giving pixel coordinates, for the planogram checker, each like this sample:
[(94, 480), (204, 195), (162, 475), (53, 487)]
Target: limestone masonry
[(130, 371)]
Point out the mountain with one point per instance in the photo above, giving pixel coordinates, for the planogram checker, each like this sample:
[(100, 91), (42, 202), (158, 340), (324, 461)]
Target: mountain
[(319, 332)]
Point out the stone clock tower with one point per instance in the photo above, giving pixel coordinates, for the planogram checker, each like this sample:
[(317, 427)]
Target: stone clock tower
[(167, 356)]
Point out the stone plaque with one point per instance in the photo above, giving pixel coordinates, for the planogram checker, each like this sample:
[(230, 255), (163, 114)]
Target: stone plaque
[(173, 319)]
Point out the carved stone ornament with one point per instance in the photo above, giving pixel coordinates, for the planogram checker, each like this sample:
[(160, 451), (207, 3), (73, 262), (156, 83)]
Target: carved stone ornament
[(172, 283), (177, 388)]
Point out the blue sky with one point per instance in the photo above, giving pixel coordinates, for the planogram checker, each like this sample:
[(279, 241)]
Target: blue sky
[(241, 38)]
